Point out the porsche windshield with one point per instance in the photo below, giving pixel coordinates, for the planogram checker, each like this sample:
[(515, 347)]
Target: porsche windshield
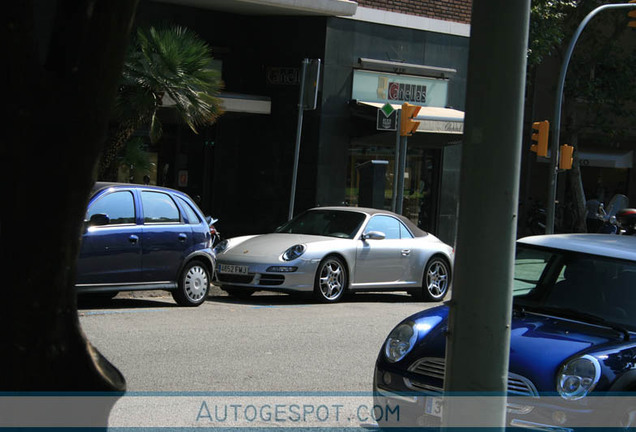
[(575, 283), (332, 223)]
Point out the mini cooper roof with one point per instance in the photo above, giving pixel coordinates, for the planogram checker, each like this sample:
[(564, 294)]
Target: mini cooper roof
[(608, 245)]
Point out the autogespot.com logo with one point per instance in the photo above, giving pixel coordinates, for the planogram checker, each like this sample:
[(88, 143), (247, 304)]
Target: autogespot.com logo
[(307, 414)]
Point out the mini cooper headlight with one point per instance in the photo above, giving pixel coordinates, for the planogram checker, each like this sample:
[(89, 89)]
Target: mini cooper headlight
[(400, 342), (578, 377), (221, 246), (294, 252)]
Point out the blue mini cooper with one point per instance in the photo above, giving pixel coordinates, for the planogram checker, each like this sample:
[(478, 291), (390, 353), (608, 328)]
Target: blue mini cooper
[(140, 237), (572, 341)]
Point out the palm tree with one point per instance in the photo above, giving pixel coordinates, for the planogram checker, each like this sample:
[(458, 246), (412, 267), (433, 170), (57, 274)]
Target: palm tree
[(163, 66)]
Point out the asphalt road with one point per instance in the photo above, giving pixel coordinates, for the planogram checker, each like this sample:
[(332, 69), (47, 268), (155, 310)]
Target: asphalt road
[(269, 343)]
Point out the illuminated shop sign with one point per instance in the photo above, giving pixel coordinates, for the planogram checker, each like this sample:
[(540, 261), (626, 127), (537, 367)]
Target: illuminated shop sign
[(373, 86), (406, 92)]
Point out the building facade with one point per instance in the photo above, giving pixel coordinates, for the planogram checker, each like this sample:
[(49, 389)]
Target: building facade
[(372, 53)]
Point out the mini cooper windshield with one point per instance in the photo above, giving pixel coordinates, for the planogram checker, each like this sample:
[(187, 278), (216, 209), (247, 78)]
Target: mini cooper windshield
[(573, 285), (331, 223)]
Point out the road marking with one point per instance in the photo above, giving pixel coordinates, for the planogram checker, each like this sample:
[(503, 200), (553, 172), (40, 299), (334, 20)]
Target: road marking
[(120, 312), (277, 306)]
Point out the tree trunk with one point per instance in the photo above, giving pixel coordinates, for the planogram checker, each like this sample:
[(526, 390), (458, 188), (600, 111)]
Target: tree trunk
[(117, 138), (576, 186), (59, 104)]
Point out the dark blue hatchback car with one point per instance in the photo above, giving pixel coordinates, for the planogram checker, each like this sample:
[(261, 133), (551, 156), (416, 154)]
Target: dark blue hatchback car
[(572, 348), (140, 237)]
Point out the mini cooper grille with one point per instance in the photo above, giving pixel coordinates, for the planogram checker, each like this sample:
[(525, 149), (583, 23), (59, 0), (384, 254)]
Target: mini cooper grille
[(435, 367), (272, 280), (230, 278)]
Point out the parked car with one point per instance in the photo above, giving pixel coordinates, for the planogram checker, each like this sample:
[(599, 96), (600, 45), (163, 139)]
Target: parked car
[(333, 250), (573, 321), (140, 237)]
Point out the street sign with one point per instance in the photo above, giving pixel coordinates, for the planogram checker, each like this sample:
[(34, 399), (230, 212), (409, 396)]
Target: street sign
[(387, 118), (311, 83)]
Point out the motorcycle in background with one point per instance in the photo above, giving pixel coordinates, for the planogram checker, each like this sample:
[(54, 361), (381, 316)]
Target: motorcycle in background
[(605, 220), (216, 235), (626, 219)]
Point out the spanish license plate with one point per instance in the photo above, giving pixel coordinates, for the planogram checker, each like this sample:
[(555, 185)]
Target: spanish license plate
[(434, 406), (231, 268)]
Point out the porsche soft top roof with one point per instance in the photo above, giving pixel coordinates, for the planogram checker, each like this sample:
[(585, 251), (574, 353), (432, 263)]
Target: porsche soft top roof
[(417, 232)]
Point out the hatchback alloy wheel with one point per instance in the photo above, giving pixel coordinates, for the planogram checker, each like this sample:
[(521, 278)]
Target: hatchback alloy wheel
[(193, 286)]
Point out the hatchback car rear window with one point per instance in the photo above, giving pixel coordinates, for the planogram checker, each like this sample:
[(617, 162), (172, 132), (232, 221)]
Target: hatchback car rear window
[(191, 215), (118, 206), (159, 208)]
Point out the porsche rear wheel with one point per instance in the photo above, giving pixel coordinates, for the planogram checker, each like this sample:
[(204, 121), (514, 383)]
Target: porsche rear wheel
[(331, 280), (437, 277)]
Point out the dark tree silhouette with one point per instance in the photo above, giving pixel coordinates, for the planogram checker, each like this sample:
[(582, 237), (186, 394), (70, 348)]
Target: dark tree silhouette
[(63, 62)]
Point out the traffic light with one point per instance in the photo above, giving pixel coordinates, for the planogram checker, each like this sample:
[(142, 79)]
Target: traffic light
[(565, 158), (540, 131), (632, 15), (407, 124)]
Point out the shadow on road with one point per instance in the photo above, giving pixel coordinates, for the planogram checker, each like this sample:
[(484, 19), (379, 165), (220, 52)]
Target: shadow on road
[(161, 299), (278, 299), (124, 301)]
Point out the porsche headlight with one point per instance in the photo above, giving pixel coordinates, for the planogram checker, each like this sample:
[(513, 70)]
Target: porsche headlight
[(578, 377), (400, 342), (221, 246), (294, 252)]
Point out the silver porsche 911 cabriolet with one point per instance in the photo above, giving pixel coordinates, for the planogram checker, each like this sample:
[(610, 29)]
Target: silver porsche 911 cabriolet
[(334, 250)]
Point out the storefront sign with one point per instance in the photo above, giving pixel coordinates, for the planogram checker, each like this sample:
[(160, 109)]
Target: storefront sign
[(387, 118), (396, 89), (283, 76), (442, 126), (406, 92)]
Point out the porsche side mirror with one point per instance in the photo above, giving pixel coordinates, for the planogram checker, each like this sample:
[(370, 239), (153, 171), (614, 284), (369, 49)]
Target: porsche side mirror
[(373, 235)]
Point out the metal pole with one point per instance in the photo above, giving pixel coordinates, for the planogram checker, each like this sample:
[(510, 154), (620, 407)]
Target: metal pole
[(478, 346), (556, 124), (400, 175), (396, 161), (299, 129)]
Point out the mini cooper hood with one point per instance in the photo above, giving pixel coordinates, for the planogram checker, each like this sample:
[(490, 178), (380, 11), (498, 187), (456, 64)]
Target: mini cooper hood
[(539, 344), (268, 245)]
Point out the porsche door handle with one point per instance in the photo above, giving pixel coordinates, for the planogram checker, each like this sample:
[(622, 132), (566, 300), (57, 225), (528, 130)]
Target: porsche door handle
[(183, 237), (406, 252)]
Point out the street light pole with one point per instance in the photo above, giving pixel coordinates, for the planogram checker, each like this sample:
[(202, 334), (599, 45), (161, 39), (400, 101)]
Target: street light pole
[(299, 129), (478, 347), (556, 124)]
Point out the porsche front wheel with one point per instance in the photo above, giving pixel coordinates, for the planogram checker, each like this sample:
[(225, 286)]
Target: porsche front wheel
[(331, 280), (437, 277)]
